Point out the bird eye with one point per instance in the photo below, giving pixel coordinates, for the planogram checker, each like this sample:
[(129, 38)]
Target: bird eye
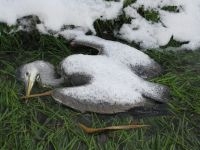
[(27, 73)]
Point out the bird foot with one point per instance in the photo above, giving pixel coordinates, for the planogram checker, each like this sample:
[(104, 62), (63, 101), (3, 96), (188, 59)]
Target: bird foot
[(37, 95), (110, 128)]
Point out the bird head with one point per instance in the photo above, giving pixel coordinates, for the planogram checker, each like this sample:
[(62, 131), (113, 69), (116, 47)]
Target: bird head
[(28, 74)]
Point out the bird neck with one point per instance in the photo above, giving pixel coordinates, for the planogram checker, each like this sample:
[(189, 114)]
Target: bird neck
[(48, 77), (53, 82)]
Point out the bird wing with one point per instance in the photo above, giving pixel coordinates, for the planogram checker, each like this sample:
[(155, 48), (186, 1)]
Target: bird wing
[(138, 61), (73, 98)]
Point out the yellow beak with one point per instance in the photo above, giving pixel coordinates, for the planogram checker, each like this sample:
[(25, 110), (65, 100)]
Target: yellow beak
[(29, 86)]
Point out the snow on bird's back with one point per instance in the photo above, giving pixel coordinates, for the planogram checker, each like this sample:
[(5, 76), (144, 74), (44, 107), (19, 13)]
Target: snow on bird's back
[(117, 51), (110, 81)]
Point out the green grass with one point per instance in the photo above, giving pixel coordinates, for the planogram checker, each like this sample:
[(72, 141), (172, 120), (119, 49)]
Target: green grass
[(41, 123)]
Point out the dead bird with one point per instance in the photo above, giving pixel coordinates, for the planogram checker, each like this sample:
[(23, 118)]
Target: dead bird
[(108, 83)]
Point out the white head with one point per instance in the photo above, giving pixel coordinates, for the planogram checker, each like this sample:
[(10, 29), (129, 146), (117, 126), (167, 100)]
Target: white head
[(38, 71), (28, 73)]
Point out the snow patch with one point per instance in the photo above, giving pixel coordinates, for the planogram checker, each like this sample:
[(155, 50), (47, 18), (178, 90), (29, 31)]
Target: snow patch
[(56, 13), (183, 25)]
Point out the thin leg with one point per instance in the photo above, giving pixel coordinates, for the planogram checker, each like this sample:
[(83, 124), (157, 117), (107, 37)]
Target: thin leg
[(110, 128), (37, 95)]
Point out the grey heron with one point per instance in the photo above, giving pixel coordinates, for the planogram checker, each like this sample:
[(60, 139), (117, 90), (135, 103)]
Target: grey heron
[(108, 83)]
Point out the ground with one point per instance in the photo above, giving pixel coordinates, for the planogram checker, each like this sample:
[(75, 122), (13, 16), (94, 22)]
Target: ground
[(41, 123)]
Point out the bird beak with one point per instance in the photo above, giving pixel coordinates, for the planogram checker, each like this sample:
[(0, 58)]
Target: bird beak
[(29, 85)]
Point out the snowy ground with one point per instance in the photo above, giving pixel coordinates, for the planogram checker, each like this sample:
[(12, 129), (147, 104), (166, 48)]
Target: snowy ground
[(179, 19), (182, 22), (41, 123)]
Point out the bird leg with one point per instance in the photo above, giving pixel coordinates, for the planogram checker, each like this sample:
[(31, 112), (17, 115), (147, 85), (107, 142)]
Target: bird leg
[(110, 128), (38, 95)]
